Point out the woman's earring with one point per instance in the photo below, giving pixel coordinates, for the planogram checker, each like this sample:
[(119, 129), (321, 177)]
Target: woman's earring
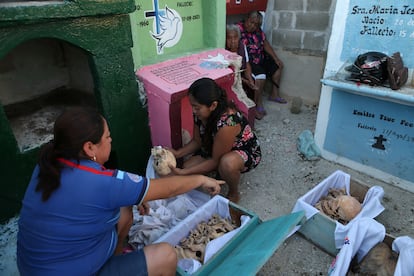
[(94, 158)]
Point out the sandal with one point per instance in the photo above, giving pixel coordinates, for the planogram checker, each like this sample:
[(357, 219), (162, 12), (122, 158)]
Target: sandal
[(277, 100), (261, 110)]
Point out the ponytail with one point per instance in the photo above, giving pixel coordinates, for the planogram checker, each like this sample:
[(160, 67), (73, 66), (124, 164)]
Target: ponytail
[(49, 171), (72, 129)]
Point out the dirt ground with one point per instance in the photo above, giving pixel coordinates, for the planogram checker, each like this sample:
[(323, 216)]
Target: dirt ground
[(272, 189)]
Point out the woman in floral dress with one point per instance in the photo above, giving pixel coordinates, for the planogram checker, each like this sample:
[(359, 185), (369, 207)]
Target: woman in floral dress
[(223, 141)]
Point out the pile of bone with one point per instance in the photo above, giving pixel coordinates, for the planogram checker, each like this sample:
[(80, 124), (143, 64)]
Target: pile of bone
[(339, 206), (193, 246), (380, 260)]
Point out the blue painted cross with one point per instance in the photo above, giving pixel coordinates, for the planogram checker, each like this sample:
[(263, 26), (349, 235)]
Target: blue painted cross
[(155, 13)]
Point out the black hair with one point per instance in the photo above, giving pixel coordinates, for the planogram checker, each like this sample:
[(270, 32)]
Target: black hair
[(73, 128), (256, 14), (206, 91)]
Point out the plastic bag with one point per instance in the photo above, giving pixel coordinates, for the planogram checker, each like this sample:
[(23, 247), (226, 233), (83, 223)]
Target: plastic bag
[(307, 146)]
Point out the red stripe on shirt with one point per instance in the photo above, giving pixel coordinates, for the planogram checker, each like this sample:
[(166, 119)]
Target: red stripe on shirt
[(86, 168)]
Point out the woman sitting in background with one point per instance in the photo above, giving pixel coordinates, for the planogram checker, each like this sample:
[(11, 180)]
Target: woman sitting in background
[(262, 57), (75, 215), (235, 45), (222, 141)]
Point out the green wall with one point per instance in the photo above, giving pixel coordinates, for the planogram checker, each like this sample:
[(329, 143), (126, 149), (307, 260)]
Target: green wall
[(203, 28), (103, 30), (107, 40)]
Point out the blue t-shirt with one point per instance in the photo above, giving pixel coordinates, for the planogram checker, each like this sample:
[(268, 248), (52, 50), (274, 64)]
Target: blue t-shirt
[(74, 231)]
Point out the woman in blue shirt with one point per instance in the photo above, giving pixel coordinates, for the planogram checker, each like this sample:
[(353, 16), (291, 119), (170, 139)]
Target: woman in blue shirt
[(75, 212)]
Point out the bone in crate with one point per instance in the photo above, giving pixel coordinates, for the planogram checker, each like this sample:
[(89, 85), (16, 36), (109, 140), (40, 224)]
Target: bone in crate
[(193, 246), (380, 260), (339, 206)]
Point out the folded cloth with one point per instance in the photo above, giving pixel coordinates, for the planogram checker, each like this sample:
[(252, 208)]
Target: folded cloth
[(361, 235), (405, 247), (145, 230), (371, 207), (163, 214)]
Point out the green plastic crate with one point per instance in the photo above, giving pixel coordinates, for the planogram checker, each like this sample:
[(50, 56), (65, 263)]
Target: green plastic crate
[(247, 251)]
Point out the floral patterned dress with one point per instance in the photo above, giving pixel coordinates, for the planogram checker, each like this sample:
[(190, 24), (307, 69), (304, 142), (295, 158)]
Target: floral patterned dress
[(254, 42), (246, 143)]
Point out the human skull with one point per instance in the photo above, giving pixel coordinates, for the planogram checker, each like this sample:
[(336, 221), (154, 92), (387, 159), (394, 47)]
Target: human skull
[(163, 158), (339, 206), (348, 207)]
